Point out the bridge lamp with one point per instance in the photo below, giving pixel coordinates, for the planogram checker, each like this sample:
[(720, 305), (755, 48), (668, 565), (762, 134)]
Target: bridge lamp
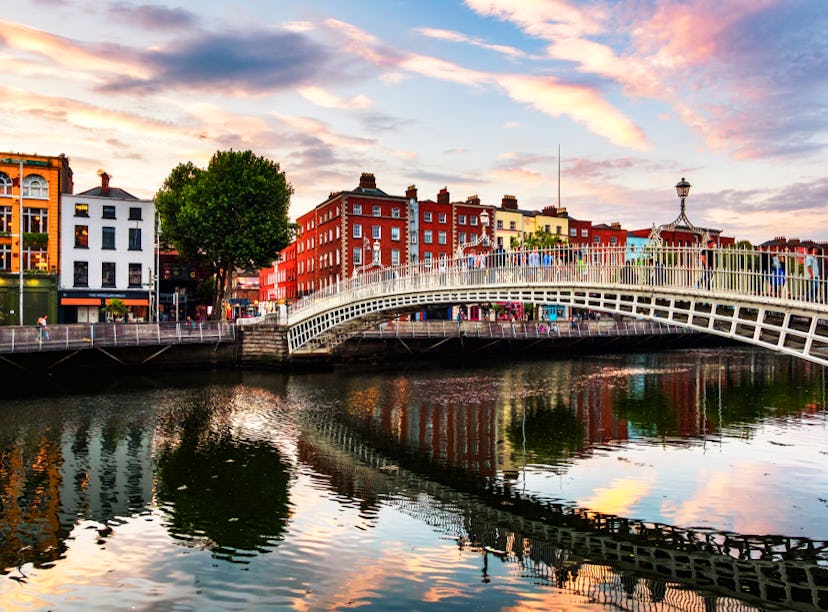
[(377, 251), (683, 190)]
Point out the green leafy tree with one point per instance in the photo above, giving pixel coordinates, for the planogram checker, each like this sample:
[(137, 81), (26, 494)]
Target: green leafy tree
[(233, 214), (543, 239)]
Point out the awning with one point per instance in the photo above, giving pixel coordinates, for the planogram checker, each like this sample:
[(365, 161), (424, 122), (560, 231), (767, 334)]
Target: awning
[(69, 301)]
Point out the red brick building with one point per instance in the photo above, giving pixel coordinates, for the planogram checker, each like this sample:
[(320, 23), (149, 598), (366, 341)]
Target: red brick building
[(278, 283), (349, 233), (609, 235)]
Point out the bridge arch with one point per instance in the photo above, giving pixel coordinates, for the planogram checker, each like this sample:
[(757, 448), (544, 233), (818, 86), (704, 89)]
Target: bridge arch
[(728, 301)]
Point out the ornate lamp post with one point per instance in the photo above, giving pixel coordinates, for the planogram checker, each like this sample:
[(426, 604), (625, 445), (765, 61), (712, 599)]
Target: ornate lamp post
[(377, 255), (683, 190)]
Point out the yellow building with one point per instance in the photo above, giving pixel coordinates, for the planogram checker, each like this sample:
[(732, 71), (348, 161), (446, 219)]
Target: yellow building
[(29, 233), (513, 225)]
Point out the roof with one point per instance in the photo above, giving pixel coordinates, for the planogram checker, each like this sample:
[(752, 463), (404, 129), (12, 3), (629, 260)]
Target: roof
[(113, 192)]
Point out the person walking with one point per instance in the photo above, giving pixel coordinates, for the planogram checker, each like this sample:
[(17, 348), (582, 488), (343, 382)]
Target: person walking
[(42, 328)]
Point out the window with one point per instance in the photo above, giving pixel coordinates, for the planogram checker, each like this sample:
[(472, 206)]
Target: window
[(35, 186), (376, 232), (441, 217), (461, 237), (81, 210), (134, 213), (584, 233), (613, 239), (81, 236), (108, 238), (441, 237), (134, 239), (36, 220), (500, 224), (413, 237), (596, 239), (108, 274), (512, 225), (429, 256), (5, 218), (395, 257), (573, 231), (5, 257), (558, 229), (395, 233), (427, 217), (5, 184), (461, 219), (357, 253), (357, 230), (108, 212), (427, 237), (81, 274), (134, 275), (473, 219), (357, 210), (395, 213), (377, 210)]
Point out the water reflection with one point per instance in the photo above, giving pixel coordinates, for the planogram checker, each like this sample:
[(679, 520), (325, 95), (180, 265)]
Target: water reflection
[(611, 479)]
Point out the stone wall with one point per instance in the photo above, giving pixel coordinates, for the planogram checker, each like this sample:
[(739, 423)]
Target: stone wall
[(264, 344)]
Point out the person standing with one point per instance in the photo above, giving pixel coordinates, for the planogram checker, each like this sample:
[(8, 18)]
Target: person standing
[(42, 328), (812, 274)]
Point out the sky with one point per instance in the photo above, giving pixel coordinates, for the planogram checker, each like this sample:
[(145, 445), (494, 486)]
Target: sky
[(477, 96)]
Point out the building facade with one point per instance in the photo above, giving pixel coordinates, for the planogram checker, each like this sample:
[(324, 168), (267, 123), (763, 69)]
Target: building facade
[(30, 191), (108, 251)]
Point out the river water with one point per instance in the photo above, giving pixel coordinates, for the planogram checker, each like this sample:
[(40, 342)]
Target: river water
[(676, 480)]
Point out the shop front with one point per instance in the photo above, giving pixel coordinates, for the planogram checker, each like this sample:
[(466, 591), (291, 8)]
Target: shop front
[(91, 306)]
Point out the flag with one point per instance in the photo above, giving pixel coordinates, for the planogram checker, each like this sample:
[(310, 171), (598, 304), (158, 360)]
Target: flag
[(366, 244)]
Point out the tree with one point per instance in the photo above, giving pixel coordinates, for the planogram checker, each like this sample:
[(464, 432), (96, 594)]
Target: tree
[(116, 308), (234, 214)]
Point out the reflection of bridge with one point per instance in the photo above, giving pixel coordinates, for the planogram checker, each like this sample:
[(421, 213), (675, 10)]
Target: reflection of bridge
[(611, 559), (735, 296)]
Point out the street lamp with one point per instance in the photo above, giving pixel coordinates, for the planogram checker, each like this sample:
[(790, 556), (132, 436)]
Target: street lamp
[(377, 256), (683, 190)]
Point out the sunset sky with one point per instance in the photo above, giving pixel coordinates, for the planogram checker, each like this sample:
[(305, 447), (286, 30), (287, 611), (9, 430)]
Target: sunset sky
[(473, 95)]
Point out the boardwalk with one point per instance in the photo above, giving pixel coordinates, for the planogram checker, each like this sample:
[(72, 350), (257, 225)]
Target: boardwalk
[(78, 336)]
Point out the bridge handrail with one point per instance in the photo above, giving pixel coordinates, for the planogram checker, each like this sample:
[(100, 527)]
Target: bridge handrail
[(520, 329), (72, 336), (732, 271)]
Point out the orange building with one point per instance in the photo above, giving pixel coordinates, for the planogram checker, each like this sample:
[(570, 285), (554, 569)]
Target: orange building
[(29, 233)]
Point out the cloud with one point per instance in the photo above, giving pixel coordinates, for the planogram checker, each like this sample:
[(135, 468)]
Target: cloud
[(248, 62), (451, 36), (582, 104), (152, 16), (326, 99)]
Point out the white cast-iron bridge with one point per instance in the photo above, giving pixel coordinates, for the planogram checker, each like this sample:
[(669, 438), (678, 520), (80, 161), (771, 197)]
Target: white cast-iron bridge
[(765, 299)]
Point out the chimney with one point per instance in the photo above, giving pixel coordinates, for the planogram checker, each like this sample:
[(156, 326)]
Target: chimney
[(411, 193), (473, 200), (615, 225), (443, 196), (367, 181), (104, 184), (509, 202)]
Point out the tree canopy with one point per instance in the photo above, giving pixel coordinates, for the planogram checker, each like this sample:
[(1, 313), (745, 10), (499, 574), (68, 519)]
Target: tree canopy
[(232, 215)]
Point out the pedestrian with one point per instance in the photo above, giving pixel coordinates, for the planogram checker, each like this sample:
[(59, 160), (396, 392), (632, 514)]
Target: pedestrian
[(42, 328), (777, 277), (812, 274)]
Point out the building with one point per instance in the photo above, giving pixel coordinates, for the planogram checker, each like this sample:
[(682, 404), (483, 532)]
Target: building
[(430, 228), (350, 233), (609, 235), (30, 192), (108, 252)]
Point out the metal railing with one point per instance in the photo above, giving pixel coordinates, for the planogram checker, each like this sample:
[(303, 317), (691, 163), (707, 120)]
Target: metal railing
[(29, 339), (520, 329), (778, 277)]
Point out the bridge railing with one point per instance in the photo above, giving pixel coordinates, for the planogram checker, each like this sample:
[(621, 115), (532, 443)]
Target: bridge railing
[(781, 276), (520, 329), (28, 338)]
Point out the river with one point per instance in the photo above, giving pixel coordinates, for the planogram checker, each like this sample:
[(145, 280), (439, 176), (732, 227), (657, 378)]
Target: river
[(674, 480)]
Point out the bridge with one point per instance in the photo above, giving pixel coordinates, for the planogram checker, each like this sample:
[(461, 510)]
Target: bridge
[(735, 293)]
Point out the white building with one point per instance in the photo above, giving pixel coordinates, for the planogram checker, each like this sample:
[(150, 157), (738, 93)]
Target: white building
[(107, 251)]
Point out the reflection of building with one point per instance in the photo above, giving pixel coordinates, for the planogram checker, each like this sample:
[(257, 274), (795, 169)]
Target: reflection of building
[(43, 179), (108, 251)]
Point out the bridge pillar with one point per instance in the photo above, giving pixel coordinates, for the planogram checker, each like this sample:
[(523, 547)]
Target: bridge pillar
[(263, 344)]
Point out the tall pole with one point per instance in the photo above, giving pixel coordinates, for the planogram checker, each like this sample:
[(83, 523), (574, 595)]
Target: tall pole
[(559, 176), (20, 263), (157, 267)]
